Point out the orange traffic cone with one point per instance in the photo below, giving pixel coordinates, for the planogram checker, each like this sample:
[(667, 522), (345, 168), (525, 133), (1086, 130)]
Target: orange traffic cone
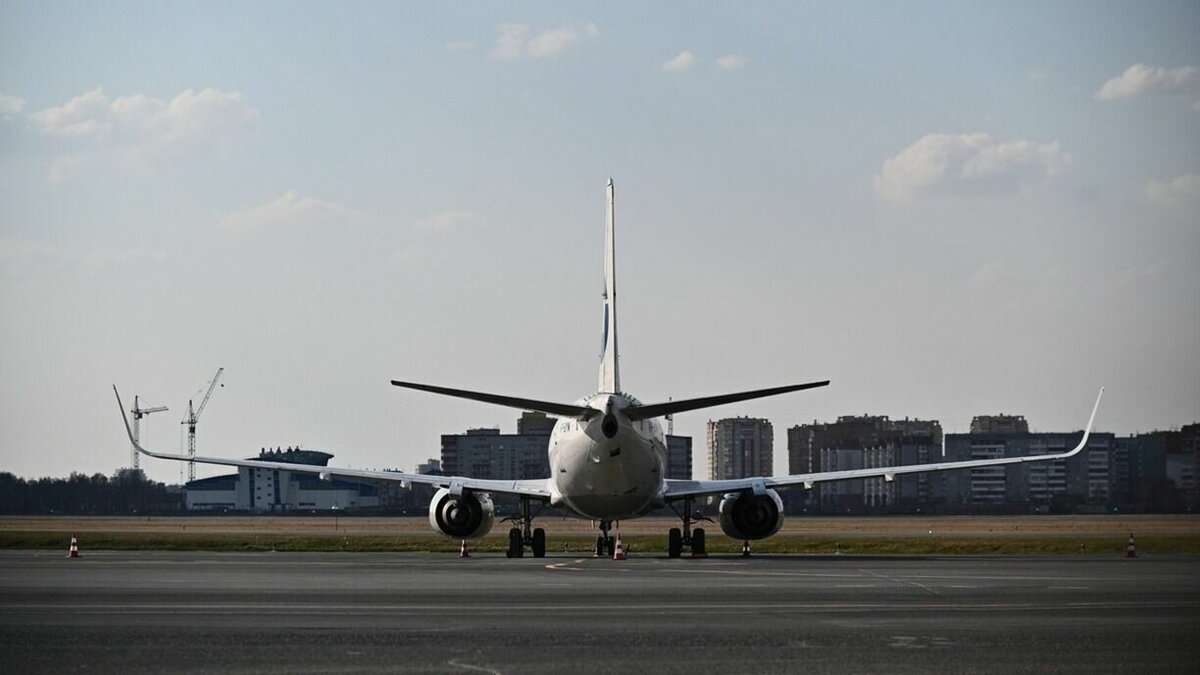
[(619, 553), (746, 548), (1131, 550), (463, 552), (74, 551)]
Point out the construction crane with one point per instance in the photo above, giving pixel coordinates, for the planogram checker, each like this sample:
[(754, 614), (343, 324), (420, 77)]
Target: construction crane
[(193, 416), (138, 413)]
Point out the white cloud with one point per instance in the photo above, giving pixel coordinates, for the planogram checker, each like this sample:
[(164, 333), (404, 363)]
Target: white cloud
[(448, 220), (510, 41), (1140, 79), (1180, 189), (83, 115), (292, 208), (682, 62), (730, 62), (10, 106), (139, 130), (460, 45), (550, 42), (517, 40), (968, 164)]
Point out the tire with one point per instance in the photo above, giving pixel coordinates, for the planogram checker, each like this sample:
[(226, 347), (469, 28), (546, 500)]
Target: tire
[(698, 542), (674, 543), (600, 546), (539, 543), (610, 547), (516, 544)]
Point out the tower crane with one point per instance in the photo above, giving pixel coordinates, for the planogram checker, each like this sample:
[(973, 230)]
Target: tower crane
[(138, 413), (193, 416)]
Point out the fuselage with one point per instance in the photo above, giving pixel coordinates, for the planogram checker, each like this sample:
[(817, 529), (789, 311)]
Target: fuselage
[(607, 467)]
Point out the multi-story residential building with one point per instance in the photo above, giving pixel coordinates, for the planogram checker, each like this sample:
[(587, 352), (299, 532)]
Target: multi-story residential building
[(739, 447), (856, 442)]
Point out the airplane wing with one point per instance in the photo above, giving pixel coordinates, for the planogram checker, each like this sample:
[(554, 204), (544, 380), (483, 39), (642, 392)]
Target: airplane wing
[(676, 489), (537, 489)]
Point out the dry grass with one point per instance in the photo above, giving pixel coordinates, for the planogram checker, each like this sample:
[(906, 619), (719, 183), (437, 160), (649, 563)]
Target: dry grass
[(825, 535)]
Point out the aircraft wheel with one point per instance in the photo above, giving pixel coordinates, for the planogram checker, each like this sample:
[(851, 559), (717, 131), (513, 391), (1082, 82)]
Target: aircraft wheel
[(600, 546), (674, 543), (539, 543), (516, 544), (698, 542), (610, 546)]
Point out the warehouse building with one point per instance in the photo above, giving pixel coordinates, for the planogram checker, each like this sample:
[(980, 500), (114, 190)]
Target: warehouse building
[(279, 491)]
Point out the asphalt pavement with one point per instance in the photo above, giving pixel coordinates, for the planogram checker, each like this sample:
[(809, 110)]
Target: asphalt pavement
[(437, 613)]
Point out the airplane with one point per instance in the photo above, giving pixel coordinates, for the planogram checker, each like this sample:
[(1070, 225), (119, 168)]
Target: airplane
[(608, 462)]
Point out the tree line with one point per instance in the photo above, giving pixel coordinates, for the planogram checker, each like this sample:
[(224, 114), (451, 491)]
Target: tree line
[(126, 492)]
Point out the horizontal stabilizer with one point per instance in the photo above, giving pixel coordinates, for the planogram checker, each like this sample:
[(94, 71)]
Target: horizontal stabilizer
[(670, 407), (548, 407)]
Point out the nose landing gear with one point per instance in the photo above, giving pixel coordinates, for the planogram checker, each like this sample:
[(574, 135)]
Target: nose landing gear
[(606, 546)]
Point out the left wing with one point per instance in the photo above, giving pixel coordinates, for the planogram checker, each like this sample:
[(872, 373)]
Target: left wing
[(687, 488), (537, 489)]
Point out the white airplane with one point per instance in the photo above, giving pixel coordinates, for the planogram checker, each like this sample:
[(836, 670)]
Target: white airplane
[(607, 462)]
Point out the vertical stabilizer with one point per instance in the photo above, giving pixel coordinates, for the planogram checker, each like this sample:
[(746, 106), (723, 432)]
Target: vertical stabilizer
[(610, 378)]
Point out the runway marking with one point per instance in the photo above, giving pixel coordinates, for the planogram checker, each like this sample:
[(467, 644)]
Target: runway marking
[(917, 642), (478, 669), (901, 581), (563, 565)]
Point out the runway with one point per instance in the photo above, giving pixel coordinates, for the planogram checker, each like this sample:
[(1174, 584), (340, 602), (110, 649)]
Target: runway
[(434, 613)]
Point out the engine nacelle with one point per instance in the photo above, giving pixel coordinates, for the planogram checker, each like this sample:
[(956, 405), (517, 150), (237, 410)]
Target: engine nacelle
[(747, 516), (465, 517)]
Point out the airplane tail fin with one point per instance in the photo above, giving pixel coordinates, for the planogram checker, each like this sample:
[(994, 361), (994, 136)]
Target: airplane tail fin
[(610, 377)]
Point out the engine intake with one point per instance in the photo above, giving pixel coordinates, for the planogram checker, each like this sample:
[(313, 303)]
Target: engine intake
[(747, 516), (466, 517)]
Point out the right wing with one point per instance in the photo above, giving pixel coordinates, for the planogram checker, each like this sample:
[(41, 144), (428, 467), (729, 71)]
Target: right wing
[(689, 488), (537, 489)]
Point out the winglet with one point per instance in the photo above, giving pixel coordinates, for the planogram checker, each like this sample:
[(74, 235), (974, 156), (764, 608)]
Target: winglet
[(124, 418), (1088, 431)]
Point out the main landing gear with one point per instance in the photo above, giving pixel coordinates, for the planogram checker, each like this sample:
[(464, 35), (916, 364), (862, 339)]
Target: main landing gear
[(524, 534), (678, 538)]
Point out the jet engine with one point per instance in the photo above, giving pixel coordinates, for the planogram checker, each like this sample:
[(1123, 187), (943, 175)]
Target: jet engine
[(464, 517), (745, 515)]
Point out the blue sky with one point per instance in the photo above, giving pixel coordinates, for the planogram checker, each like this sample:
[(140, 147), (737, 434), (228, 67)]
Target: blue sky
[(949, 209)]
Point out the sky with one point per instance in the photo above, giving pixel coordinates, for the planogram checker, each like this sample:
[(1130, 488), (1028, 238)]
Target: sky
[(948, 209)]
